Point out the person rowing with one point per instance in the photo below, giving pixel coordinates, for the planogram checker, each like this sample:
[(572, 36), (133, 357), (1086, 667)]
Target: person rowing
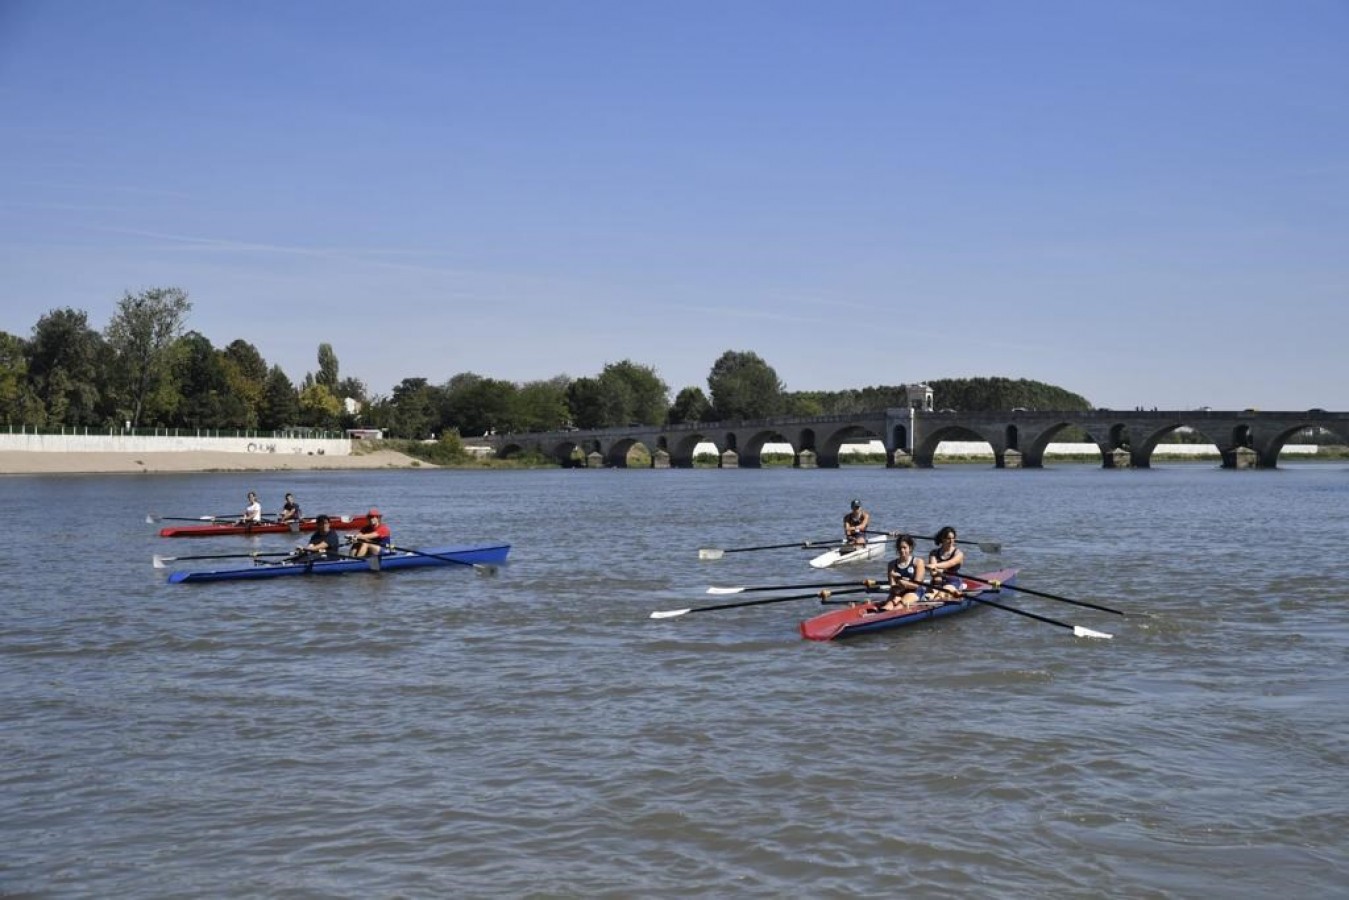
[(253, 512), (855, 523), (323, 545), (373, 538), (290, 510), (905, 573), (943, 563)]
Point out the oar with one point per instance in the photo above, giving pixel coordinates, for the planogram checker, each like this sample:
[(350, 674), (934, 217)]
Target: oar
[(151, 518), (985, 546), (868, 583), (717, 552), (1017, 587), (672, 613), (1078, 630), (480, 568), (159, 561)]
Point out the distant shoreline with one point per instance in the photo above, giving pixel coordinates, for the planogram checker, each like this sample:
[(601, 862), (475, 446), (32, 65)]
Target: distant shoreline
[(28, 462)]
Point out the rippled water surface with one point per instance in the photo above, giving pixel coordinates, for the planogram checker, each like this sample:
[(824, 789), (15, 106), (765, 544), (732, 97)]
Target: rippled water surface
[(439, 733)]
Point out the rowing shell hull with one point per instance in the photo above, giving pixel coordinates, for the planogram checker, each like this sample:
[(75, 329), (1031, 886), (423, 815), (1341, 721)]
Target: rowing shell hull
[(453, 556), (863, 619), (875, 548), (338, 523)]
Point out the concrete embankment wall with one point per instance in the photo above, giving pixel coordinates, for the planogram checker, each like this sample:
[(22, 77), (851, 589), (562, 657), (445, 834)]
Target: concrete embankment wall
[(138, 443)]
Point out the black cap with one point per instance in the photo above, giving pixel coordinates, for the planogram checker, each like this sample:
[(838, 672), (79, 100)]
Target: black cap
[(857, 504)]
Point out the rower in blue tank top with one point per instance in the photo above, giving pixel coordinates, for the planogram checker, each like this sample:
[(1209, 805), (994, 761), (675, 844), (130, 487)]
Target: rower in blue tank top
[(906, 577), (943, 563)]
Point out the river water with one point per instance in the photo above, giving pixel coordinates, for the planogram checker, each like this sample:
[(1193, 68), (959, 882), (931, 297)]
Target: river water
[(436, 733)]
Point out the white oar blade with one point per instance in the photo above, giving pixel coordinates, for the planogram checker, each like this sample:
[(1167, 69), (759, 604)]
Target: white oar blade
[(725, 590), (485, 570), (158, 561), (1079, 631), (151, 518), (669, 613), (710, 553)]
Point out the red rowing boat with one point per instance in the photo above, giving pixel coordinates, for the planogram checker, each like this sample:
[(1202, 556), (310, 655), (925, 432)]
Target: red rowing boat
[(864, 618), (216, 529)]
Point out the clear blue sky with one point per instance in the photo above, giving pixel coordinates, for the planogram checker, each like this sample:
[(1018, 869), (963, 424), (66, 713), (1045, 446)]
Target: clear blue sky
[(1144, 201)]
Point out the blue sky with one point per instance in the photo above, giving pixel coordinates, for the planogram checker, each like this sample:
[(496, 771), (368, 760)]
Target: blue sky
[(1144, 202)]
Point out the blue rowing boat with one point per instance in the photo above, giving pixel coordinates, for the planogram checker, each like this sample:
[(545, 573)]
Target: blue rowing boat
[(456, 555), (862, 618)]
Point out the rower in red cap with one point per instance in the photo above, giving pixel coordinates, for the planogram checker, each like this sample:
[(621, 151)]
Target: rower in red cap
[(373, 538)]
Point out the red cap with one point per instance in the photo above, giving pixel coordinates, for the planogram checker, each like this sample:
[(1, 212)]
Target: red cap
[(373, 513)]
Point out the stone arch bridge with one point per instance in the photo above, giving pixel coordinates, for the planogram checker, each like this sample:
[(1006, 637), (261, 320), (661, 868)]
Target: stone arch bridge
[(1248, 438)]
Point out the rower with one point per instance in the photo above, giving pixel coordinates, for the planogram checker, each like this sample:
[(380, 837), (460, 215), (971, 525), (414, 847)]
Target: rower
[(253, 512), (290, 510), (855, 523), (943, 563), (373, 538), (323, 545)]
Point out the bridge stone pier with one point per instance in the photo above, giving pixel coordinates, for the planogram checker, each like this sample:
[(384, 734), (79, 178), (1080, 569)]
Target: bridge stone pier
[(911, 437)]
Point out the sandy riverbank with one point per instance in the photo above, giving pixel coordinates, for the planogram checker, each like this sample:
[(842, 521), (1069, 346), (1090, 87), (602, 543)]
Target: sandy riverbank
[(39, 463)]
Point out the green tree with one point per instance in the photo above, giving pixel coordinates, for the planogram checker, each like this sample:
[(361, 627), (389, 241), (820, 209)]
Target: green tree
[(586, 400), (414, 414), (18, 404), (319, 407), (473, 404), (280, 402), (1000, 394), (246, 374), (541, 405), (633, 394), (201, 379), (743, 386), (143, 335), (327, 373), (65, 357), (691, 405)]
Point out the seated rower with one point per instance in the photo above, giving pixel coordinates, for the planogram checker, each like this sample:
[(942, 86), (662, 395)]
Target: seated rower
[(253, 512), (323, 545), (943, 564), (290, 510), (373, 538), (855, 523), (906, 573)]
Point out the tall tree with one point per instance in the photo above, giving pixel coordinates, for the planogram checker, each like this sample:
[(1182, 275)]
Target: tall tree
[(246, 374), (201, 379), (473, 404), (64, 359), (18, 404), (280, 405), (541, 405), (634, 394), (743, 386), (414, 414), (585, 399), (143, 335), (690, 406), (327, 373)]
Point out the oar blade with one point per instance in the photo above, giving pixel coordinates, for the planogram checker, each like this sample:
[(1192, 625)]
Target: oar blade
[(1079, 631), (151, 519), (158, 561), (711, 553), (990, 547), (726, 590), (485, 570), (669, 613)]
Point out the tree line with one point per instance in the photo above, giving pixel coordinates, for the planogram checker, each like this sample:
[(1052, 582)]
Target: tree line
[(145, 368)]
